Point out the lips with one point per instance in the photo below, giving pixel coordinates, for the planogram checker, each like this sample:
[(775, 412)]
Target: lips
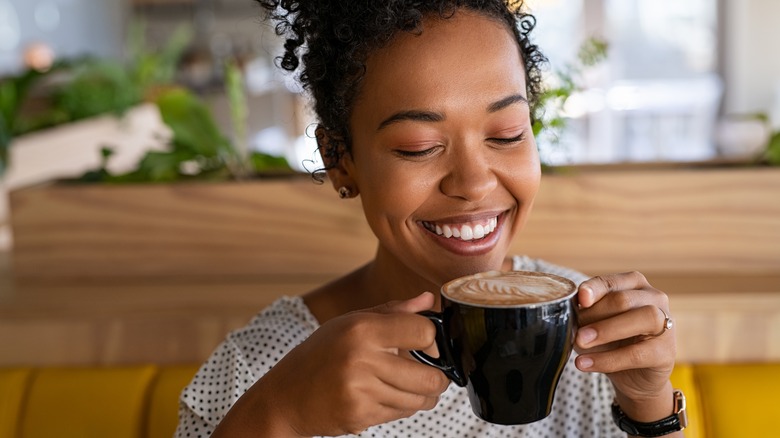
[(465, 231)]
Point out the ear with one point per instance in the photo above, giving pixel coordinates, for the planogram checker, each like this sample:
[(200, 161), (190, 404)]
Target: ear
[(338, 161)]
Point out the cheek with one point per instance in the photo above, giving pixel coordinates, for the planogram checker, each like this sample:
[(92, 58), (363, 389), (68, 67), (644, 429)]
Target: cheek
[(524, 176), (398, 191)]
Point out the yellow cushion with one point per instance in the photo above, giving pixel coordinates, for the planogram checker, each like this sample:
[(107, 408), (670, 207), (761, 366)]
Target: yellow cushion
[(741, 399), (87, 402), (164, 400), (13, 388), (683, 379)]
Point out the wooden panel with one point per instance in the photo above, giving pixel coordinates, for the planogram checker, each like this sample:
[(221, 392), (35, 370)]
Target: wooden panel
[(734, 327), (183, 322), (113, 323), (289, 227), (706, 220)]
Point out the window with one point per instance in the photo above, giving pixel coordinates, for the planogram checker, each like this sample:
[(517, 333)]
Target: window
[(655, 97)]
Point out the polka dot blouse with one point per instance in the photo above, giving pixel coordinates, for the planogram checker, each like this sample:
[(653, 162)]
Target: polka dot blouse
[(581, 407)]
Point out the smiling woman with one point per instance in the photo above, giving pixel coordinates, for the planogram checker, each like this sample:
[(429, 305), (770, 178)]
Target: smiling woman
[(456, 144), (425, 113)]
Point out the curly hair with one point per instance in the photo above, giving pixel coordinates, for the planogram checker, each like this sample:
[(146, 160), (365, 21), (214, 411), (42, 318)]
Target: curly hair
[(333, 39)]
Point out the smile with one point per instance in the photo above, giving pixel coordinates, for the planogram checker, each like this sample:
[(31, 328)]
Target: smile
[(464, 231)]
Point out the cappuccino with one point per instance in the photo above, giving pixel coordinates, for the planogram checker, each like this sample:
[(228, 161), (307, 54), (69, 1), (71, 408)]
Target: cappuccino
[(508, 288), (506, 337)]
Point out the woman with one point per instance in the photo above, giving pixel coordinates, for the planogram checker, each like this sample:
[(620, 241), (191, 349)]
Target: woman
[(425, 113)]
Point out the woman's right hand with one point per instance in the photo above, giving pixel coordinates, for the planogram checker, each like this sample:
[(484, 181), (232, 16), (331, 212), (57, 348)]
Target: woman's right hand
[(350, 374)]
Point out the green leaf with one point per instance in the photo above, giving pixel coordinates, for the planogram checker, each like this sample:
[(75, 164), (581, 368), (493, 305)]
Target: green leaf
[(194, 129), (773, 150), (265, 163), (162, 166), (537, 127), (593, 51), (152, 68), (234, 88), (97, 87)]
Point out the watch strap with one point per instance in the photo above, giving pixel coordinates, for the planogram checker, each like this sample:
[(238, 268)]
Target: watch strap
[(673, 423)]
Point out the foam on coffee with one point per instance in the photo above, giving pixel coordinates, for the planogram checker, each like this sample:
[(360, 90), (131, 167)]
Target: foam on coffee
[(513, 288)]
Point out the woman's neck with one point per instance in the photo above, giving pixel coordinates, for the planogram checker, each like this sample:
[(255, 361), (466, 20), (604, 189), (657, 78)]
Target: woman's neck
[(383, 279)]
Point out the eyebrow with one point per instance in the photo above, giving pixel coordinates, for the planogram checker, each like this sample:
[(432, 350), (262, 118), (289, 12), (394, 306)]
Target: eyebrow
[(418, 116), (505, 102), (431, 116)]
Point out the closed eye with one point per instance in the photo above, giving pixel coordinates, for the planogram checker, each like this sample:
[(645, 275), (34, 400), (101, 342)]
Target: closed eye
[(502, 140), (415, 154)]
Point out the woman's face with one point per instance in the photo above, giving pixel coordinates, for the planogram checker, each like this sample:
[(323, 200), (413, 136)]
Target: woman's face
[(443, 154)]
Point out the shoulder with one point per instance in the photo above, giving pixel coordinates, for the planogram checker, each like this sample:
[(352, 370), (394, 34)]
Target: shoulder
[(267, 337), (272, 333), (245, 356), (525, 263)]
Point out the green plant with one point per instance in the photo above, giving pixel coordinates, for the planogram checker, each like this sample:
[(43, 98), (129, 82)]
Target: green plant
[(150, 69), (772, 154), (548, 113), (13, 94), (197, 150), (85, 87)]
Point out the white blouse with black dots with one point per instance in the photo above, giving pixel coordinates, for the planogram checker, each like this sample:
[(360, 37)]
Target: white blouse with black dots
[(581, 407)]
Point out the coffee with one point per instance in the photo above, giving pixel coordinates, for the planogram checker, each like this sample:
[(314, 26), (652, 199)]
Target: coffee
[(506, 336), (507, 288)]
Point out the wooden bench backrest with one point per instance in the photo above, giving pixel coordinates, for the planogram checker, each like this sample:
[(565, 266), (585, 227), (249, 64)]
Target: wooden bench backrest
[(670, 221)]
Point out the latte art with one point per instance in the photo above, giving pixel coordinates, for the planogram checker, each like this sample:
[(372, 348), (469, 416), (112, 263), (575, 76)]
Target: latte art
[(508, 288)]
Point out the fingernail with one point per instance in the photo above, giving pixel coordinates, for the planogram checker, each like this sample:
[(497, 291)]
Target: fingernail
[(585, 295), (586, 335), (585, 362)]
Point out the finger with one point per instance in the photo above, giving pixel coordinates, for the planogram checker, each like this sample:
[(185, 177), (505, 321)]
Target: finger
[(405, 331), (647, 320), (407, 403), (408, 375), (651, 353), (593, 290), (615, 303), (420, 303)]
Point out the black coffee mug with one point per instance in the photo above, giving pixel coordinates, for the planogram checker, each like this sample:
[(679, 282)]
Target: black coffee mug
[(510, 356)]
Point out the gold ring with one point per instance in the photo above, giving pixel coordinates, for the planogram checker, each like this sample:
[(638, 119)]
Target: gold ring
[(668, 323)]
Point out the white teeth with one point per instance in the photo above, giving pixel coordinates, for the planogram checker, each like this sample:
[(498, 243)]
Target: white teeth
[(466, 231), (491, 226)]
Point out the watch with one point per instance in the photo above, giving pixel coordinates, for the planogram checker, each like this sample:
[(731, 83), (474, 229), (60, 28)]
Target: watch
[(673, 423)]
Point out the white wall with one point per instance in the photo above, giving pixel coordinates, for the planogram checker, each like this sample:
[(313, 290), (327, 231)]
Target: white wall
[(752, 54)]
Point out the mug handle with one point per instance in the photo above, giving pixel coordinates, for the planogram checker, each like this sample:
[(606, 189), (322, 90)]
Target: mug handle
[(445, 361)]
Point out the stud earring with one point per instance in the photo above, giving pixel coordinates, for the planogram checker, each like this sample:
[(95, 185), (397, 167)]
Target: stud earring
[(345, 192)]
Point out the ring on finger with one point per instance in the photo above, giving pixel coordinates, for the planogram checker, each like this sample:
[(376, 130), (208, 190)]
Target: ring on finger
[(668, 324)]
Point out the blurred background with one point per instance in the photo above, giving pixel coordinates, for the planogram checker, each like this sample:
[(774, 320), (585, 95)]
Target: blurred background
[(677, 83), (678, 79)]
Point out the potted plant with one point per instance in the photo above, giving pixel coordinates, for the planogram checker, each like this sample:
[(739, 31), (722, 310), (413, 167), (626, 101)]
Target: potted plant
[(193, 150)]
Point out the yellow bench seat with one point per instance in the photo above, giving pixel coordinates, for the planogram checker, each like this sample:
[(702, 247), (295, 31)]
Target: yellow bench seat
[(724, 400)]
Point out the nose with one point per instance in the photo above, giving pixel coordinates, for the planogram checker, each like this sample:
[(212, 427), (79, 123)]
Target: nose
[(470, 176)]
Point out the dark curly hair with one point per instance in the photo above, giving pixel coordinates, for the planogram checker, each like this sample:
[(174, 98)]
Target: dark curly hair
[(333, 39)]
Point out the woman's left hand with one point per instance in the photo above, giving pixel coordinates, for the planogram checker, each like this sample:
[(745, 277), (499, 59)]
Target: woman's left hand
[(623, 334)]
